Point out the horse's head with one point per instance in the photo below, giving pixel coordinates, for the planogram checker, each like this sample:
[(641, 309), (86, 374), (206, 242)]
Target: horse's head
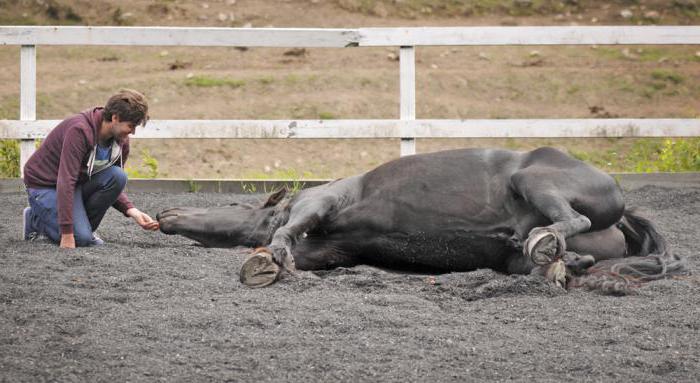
[(225, 226)]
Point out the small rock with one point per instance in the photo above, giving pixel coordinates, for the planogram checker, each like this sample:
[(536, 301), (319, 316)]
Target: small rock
[(247, 25), (652, 15), (392, 56), (594, 20), (433, 66), (267, 169), (626, 14), (627, 54), (189, 75), (697, 54), (82, 82), (380, 10), (230, 2), (205, 5), (127, 15), (164, 53), (222, 16), (534, 53), (484, 56)]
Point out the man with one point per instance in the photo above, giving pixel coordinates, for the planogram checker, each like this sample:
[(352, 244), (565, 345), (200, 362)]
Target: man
[(78, 173)]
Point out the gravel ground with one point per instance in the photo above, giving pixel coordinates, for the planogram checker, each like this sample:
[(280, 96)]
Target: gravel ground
[(150, 307)]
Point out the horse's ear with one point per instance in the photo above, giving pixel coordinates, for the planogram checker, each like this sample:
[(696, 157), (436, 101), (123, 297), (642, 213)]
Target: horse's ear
[(275, 198)]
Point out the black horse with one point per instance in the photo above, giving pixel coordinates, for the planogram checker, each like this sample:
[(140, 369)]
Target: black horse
[(455, 210)]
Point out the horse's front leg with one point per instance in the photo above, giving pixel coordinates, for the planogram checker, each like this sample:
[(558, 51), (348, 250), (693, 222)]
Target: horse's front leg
[(265, 265)]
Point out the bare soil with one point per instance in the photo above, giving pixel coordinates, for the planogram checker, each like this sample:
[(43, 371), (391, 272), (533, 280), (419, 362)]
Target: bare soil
[(150, 307), (266, 83)]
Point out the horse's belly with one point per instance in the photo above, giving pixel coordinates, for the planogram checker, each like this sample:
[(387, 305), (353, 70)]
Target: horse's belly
[(442, 252)]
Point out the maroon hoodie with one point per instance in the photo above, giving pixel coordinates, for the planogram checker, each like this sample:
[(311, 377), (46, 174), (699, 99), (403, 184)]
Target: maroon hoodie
[(61, 163)]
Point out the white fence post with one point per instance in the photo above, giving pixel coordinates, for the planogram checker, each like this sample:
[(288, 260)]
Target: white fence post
[(408, 95), (27, 110)]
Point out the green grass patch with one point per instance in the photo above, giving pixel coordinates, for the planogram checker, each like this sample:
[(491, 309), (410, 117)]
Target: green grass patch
[(667, 75), (9, 158), (147, 169), (667, 155), (295, 177), (326, 116), (209, 82)]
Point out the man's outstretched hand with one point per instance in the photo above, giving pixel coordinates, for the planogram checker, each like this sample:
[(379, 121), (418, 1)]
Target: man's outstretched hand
[(146, 222)]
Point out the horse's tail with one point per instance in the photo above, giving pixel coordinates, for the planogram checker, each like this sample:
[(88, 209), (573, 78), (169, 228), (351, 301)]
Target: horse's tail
[(648, 258)]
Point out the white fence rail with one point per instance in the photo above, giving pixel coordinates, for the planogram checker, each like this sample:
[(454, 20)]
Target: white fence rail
[(406, 127)]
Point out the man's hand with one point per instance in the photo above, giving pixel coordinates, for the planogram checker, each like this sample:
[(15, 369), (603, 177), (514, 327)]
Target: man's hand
[(146, 222), (67, 241)]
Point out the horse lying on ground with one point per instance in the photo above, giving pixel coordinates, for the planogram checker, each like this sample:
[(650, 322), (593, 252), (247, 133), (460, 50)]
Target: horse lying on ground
[(459, 210)]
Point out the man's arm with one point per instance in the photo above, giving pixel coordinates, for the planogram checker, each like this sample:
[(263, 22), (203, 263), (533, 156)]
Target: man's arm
[(73, 151)]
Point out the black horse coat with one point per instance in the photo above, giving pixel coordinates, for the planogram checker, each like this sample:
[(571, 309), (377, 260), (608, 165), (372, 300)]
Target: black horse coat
[(455, 210)]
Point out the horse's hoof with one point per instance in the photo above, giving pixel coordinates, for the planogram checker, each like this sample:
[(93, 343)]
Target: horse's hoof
[(259, 270), (543, 247)]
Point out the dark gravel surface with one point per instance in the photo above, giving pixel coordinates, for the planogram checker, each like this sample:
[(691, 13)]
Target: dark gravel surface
[(150, 307)]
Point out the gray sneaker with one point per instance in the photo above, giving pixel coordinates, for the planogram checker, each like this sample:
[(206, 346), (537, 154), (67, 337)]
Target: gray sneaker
[(97, 241), (28, 232)]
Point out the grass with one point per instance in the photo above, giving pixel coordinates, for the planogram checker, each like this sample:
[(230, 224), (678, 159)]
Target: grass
[(290, 174), (147, 169), (667, 75), (326, 116), (203, 81), (9, 158)]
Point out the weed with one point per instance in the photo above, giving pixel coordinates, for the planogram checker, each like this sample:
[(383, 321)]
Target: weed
[(667, 76), (150, 164), (326, 116), (208, 82), (194, 186), (9, 158), (292, 175), (249, 188), (667, 155)]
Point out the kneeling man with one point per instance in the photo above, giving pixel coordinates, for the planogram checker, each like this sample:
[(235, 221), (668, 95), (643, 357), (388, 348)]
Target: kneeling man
[(78, 173)]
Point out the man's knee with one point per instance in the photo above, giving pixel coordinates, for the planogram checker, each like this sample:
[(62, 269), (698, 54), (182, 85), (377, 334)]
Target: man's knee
[(118, 177)]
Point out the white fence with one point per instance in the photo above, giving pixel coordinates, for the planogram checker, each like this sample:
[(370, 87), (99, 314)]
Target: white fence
[(405, 127)]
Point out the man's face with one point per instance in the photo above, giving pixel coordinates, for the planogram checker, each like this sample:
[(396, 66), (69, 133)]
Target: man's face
[(120, 130)]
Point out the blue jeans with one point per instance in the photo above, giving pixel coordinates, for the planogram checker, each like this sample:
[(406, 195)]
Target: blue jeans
[(90, 203)]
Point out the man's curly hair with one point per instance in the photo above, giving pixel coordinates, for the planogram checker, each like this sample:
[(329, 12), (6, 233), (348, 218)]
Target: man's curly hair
[(129, 105)]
